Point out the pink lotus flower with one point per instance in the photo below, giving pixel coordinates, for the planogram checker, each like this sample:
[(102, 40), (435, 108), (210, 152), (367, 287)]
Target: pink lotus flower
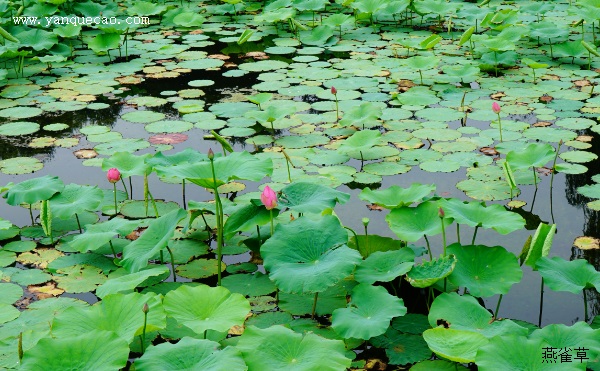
[(333, 90), (269, 198), (496, 107), (113, 175)]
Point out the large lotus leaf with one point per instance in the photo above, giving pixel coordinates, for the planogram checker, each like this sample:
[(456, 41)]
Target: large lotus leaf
[(127, 163), (411, 223), (37, 39), (256, 284), (418, 96), (104, 42), (309, 255), (95, 350), (572, 276), (245, 219), (395, 196), (535, 154), (128, 282), (187, 155), (367, 245), (462, 312), (540, 244), (484, 270), (33, 190), (98, 235), (513, 352), (119, 313), (190, 354), (402, 348), (328, 301), (477, 214), (75, 199), (360, 141), (429, 272), (384, 266), (204, 308), (238, 165), (279, 348), (580, 335), (272, 113), (365, 115), (154, 239), (369, 313), (311, 197), (455, 345)]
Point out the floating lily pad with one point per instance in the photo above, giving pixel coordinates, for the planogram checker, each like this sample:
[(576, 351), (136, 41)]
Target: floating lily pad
[(20, 112), (20, 165), (19, 128), (199, 268), (143, 117)]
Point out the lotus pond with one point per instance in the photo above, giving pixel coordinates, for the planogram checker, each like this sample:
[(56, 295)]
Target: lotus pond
[(303, 185)]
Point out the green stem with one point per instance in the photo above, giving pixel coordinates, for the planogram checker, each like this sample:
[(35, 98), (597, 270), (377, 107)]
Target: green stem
[(78, 223), (314, 307), (130, 195), (112, 248), (153, 204), (115, 196), (444, 242), (259, 239), (500, 126), (541, 303), (20, 346), (31, 215), (272, 225), (474, 235), (421, 74), (219, 210), (183, 194), (458, 232), (585, 306), (172, 263), (428, 247), (498, 307), (124, 187), (552, 177), (534, 177), (355, 238), (144, 332), (337, 109)]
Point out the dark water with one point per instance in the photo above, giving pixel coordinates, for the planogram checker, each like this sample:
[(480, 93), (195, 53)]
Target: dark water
[(522, 302)]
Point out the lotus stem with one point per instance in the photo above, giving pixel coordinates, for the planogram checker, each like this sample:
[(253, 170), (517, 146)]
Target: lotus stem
[(498, 307), (146, 191), (172, 263), (115, 196), (541, 303), (500, 126), (112, 248), (443, 240), (258, 234), (552, 176), (458, 232), (31, 215), (130, 189), (421, 74), (145, 310), (183, 194), (153, 204), (474, 235), (78, 223), (314, 307), (272, 225), (337, 108), (288, 162), (219, 210), (355, 237), (124, 187), (585, 307), (428, 247)]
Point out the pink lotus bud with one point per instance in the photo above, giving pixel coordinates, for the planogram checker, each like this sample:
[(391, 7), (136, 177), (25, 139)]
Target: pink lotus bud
[(211, 154), (113, 175), (145, 308), (496, 107), (269, 198), (441, 213), (333, 90)]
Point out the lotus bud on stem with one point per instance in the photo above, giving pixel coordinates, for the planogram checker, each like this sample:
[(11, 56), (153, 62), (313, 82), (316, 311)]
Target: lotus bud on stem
[(219, 215), (496, 108), (442, 214), (145, 310), (337, 105)]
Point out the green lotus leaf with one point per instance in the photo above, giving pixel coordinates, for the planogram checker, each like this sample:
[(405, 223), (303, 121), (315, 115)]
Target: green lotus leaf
[(119, 313), (97, 350), (202, 308), (238, 165), (154, 239), (8, 313), (429, 272), (256, 284), (34, 190), (317, 36), (103, 42), (572, 276), (309, 255), (123, 145), (535, 154), (365, 115), (189, 354), (418, 96), (10, 293), (20, 113), (486, 190), (262, 350), (580, 335), (128, 282), (411, 223), (474, 269), (143, 117), (199, 268), (477, 214), (105, 264), (26, 277), (268, 319), (438, 365), (455, 345), (20, 165), (369, 313), (189, 19), (141, 209), (402, 348), (511, 352), (98, 235), (37, 39), (578, 156), (74, 199), (310, 197), (245, 219), (411, 323), (384, 266), (300, 304), (397, 197), (540, 244), (146, 8), (79, 279)]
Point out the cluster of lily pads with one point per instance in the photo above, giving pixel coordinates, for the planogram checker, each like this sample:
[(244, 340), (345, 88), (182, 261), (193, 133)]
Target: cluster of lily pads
[(344, 93), (312, 265)]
